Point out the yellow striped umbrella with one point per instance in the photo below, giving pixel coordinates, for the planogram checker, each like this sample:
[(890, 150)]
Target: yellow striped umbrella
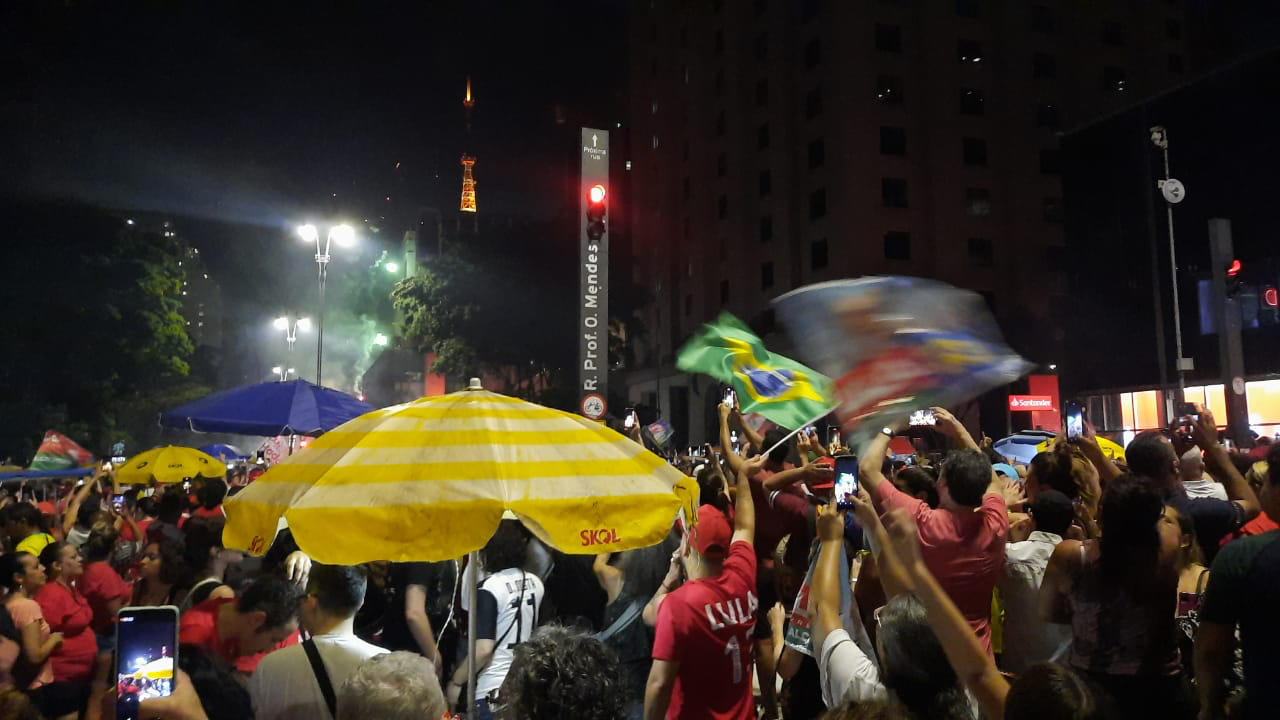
[(169, 464), (429, 480)]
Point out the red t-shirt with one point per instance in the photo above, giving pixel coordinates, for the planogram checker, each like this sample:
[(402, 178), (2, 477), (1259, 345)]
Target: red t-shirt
[(706, 625), (965, 552), (199, 626), (203, 512), (100, 584), (67, 612), (126, 532)]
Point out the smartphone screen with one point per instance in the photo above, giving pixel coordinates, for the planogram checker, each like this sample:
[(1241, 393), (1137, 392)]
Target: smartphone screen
[(733, 440), (1188, 410), (846, 482), (923, 417), (730, 397), (1074, 413), (630, 421), (833, 436), (146, 656), (117, 501)]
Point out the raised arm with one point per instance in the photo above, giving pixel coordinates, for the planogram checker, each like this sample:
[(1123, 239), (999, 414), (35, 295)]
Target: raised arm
[(1219, 465), (1088, 444), (825, 592), (948, 425), (809, 471), (726, 443), (871, 464), (752, 436), (970, 661), (609, 577), (744, 508), (73, 508)]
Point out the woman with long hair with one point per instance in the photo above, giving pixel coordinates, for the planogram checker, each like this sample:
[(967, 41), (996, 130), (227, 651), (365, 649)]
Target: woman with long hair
[(101, 585), (23, 576), (162, 574), (1118, 594)]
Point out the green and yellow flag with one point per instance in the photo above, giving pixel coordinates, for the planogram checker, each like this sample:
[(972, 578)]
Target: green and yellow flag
[(776, 387)]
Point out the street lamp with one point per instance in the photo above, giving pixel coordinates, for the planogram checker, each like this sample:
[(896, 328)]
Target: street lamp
[(392, 267), (345, 236), (283, 372), (380, 340), (291, 328)]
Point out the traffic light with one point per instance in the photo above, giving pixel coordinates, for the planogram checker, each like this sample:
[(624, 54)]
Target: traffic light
[(596, 209), (1270, 297), (1233, 278)]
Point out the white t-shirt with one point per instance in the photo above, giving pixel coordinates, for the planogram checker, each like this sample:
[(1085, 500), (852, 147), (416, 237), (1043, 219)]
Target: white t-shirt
[(284, 685), (506, 612)]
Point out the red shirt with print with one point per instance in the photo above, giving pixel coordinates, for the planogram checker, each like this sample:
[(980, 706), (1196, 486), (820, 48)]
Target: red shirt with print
[(964, 551), (706, 626)]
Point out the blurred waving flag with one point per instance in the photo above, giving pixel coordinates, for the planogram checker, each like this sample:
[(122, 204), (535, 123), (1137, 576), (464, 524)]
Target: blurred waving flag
[(59, 452), (897, 344), (782, 390)]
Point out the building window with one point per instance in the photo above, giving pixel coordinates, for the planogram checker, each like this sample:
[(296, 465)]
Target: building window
[(974, 151), (720, 124), (762, 137), (762, 47), (818, 254), (1112, 34), (1052, 210), (969, 51), (812, 53), (766, 229), (817, 204), (893, 141), (977, 202), (766, 183), (1175, 63), (766, 276), (722, 165), (724, 292), (897, 245), (1113, 78), (893, 192), (1173, 29), (981, 252), (1042, 19), (722, 207), (1050, 161), (972, 102), (813, 104), (762, 93), (1044, 66), (817, 153), (1047, 115), (889, 89), (969, 8), (888, 38)]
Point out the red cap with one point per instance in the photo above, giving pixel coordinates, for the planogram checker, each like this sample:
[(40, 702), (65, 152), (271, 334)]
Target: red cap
[(713, 533)]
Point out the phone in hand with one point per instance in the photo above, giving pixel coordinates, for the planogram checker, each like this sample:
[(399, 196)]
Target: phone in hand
[(846, 482), (117, 501), (630, 420), (730, 397), (733, 441), (1074, 414), (1186, 410), (923, 417), (833, 436), (146, 657)]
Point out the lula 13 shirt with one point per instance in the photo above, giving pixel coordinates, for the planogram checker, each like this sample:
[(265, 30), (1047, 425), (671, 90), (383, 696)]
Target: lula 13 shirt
[(706, 626)]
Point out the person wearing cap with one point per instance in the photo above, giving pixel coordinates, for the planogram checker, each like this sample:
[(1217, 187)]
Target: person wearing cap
[(702, 649), (1029, 640)]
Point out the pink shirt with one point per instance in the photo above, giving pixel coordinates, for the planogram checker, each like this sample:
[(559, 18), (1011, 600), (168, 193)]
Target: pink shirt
[(706, 626), (24, 612), (964, 551)]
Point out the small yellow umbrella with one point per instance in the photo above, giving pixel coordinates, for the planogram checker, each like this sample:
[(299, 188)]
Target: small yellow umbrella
[(1110, 449), (170, 464), (429, 480)]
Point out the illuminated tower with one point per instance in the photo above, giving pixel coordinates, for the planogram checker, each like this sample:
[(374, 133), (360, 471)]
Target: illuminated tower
[(468, 204)]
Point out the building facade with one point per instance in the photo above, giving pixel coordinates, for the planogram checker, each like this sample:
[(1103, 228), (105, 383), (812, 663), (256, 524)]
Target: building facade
[(777, 144)]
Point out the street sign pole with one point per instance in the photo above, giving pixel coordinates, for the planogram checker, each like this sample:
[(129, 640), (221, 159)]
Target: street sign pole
[(593, 274)]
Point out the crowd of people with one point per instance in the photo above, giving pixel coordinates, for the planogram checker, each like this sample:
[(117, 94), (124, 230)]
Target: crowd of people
[(949, 586)]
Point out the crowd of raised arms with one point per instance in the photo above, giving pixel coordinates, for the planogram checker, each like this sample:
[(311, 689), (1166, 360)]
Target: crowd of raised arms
[(952, 585)]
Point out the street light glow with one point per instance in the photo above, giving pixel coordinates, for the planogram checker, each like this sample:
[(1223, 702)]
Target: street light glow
[(344, 235), (276, 369), (380, 339), (304, 324), (308, 232), (281, 323), (392, 267)]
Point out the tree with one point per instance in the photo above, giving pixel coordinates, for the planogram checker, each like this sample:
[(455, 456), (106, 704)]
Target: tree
[(92, 312)]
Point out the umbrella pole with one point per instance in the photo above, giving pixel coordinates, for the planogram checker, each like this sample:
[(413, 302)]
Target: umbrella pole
[(469, 590)]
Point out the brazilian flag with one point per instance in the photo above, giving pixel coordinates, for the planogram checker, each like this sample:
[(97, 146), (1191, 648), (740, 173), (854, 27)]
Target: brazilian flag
[(780, 389)]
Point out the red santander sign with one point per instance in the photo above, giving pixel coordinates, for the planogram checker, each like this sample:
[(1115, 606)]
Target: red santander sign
[(1029, 403)]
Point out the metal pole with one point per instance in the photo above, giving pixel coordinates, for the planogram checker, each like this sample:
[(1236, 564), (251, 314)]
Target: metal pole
[(1173, 273), (320, 336), (1148, 182), (469, 592)]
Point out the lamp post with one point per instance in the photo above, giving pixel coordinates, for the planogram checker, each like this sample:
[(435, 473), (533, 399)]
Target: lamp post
[(291, 329), (345, 236), (284, 373), (1174, 192)]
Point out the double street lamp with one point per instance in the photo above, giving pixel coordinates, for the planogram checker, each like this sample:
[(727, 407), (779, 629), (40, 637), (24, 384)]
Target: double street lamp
[(291, 328), (283, 372), (344, 236)]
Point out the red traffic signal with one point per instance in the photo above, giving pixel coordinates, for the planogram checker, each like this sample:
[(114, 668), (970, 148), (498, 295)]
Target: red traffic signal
[(1233, 269), (596, 194), (1270, 297)]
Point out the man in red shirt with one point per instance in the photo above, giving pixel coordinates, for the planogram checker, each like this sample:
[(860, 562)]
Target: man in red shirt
[(702, 651), (962, 541), (241, 631)]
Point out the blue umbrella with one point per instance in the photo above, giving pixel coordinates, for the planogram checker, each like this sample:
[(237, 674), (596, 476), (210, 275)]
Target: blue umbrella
[(296, 407), (1022, 446), (223, 450)]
